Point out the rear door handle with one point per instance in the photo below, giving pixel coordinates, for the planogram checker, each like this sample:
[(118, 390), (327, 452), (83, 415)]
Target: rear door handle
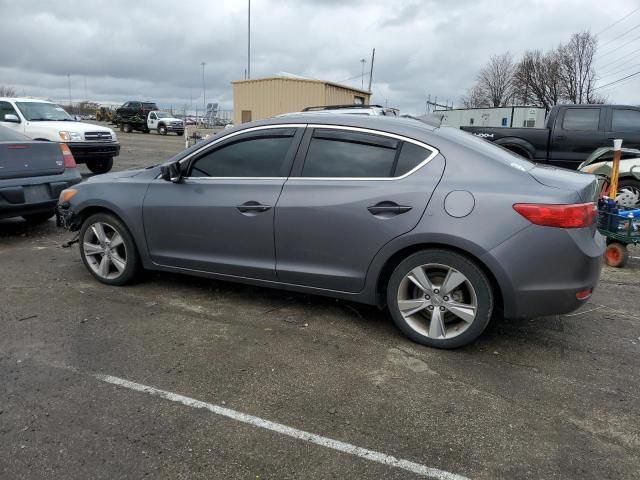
[(253, 206), (388, 209)]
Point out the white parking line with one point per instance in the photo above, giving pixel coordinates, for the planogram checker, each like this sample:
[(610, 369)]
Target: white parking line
[(370, 455)]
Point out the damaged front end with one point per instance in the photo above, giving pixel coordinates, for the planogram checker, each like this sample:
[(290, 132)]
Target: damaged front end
[(67, 218)]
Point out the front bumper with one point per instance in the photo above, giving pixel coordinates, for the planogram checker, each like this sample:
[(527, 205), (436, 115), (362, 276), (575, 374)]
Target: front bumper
[(175, 128), (83, 151)]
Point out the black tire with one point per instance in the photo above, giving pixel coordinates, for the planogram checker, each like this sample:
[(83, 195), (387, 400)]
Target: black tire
[(630, 184), (132, 268), (127, 128), (121, 127), (180, 133), (518, 150), (162, 130), (35, 218), (476, 278), (100, 165), (145, 130)]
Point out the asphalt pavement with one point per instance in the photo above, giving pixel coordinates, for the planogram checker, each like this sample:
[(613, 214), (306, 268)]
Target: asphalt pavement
[(179, 377)]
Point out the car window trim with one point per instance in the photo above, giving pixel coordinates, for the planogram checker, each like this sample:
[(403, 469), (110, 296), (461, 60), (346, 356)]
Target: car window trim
[(309, 129)]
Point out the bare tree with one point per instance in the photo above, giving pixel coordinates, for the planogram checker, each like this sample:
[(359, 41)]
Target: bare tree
[(7, 92), (496, 79), (577, 73), (474, 98), (537, 79)]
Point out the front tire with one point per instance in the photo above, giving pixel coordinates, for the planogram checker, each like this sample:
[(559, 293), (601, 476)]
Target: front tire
[(440, 299), (107, 250), (100, 165), (162, 130)]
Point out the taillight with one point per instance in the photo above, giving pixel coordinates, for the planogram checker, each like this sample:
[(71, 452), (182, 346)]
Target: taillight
[(579, 215), (69, 161)]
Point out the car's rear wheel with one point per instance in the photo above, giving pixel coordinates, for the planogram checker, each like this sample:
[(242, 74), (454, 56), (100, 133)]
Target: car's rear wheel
[(38, 217), (108, 250), (100, 165), (127, 128), (440, 299)]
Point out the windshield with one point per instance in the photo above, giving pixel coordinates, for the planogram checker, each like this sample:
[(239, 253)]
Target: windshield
[(163, 115), (39, 112)]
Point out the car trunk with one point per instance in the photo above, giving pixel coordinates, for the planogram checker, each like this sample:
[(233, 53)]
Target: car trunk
[(584, 184), (30, 159)]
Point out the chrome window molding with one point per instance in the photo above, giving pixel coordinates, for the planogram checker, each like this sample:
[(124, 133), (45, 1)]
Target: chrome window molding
[(434, 152)]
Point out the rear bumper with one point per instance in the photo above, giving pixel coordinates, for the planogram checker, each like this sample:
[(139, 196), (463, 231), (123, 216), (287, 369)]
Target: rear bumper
[(34, 195), (83, 151), (541, 269)]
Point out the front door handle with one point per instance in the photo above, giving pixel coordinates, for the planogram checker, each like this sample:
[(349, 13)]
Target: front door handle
[(388, 209), (253, 206)]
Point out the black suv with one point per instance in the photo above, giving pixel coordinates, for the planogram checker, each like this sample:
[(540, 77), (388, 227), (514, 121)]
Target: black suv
[(133, 116)]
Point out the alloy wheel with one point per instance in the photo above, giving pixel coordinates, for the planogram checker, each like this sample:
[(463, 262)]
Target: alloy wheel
[(437, 301), (104, 250)]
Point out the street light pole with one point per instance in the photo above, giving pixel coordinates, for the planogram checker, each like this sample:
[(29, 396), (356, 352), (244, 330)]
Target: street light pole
[(363, 61), (249, 41), (204, 92), (69, 81)]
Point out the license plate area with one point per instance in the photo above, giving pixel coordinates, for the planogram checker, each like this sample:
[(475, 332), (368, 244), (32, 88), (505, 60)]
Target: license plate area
[(36, 193)]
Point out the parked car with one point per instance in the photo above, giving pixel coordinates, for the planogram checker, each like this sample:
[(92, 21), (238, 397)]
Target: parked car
[(32, 175), (133, 116), (442, 227), (41, 120), (164, 122), (600, 163), (571, 133)]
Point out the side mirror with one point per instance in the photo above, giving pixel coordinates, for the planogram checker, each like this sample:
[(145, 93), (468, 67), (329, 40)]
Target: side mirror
[(10, 117), (171, 172)]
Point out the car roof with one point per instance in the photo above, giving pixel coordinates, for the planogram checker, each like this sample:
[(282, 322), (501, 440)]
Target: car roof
[(23, 99)]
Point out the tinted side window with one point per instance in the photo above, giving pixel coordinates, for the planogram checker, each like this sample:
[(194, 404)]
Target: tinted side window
[(581, 119), (354, 155), (263, 156), (625, 120), (6, 108), (410, 157)]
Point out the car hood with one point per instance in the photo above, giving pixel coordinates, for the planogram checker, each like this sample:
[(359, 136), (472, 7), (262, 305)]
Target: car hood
[(170, 119), (116, 175), (79, 127), (584, 184)]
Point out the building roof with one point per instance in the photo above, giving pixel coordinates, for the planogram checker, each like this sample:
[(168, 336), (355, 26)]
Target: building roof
[(302, 79)]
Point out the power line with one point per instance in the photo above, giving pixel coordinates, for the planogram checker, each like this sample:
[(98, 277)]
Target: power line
[(627, 55), (617, 81), (621, 35), (617, 21), (618, 48), (620, 69)]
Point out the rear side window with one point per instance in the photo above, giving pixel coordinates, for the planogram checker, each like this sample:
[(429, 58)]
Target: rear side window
[(410, 157), (339, 154), (581, 119), (264, 155), (625, 120)]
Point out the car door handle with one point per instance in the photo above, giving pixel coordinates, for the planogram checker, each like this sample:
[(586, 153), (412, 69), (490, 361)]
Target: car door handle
[(253, 206), (560, 137), (388, 209)]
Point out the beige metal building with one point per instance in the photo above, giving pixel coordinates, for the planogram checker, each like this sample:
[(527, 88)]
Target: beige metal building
[(266, 97)]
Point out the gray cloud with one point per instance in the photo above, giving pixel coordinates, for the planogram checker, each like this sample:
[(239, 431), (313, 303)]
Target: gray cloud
[(128, 50)]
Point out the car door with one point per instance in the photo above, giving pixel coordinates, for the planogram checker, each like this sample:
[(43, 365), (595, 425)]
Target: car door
[(7, 109), (625, 124), (351, 191), (219, 218), (576, 134), (153, 120)]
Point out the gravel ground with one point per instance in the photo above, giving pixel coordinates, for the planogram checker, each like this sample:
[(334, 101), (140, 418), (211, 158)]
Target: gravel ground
[(548, 398)]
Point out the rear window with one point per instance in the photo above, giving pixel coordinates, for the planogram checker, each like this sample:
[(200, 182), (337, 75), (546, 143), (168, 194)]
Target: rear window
[(486, 148), (8, 135), (581, 119), (152, 106), (410, 157)]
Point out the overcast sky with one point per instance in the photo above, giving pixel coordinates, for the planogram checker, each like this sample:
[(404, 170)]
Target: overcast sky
[(152, 50)]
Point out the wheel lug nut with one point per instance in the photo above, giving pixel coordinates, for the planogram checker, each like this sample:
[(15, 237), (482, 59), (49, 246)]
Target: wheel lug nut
[(427, 297), (446, 299), (436, 291), (442, 309), (430, 307)]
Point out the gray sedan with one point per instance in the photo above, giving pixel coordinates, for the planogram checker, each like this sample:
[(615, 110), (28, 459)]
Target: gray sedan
[(444, 229)]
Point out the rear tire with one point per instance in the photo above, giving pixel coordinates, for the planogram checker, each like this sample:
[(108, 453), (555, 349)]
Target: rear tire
[(36, 218), (631, 185), (127, 128), (108, 250), (100, 165), (180, 133), (616, 255), (440, 299)]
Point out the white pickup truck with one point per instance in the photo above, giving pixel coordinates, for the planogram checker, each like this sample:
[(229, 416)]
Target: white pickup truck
[(41, 120), (164, 122)]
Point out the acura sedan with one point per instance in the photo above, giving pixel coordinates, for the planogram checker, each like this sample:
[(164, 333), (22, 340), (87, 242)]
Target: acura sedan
[(442, 228)]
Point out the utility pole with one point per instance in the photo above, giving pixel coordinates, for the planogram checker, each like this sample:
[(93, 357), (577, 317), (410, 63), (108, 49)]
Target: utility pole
[(86, 98), (204, 91), (249, 41), (373, 56), (363, 61), (69, 81)]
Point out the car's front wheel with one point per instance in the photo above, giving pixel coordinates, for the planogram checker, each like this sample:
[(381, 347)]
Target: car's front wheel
[(108, 250), (162, 130), (100, 165), (440, 298)]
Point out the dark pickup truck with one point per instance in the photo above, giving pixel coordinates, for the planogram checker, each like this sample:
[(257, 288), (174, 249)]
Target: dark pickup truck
[(571, 133)]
